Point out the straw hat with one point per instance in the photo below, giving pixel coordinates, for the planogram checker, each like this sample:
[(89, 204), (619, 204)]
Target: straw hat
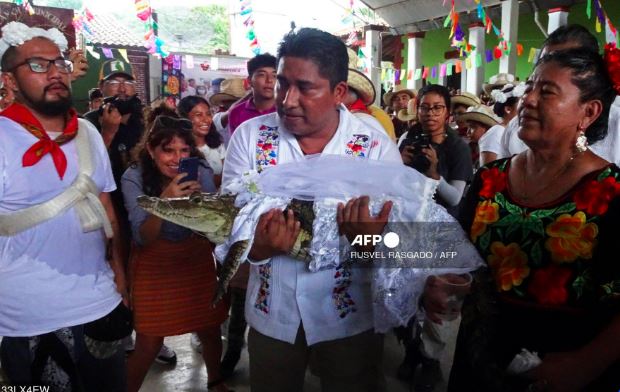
[(230, 90), (408, 114), (498, 81), (387, 97), (465, 98), (482, 114), (362, 86)]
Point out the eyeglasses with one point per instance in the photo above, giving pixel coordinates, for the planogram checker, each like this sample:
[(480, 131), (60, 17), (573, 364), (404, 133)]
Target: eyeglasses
[(116, 83), (434, 110), (41, 65), (173, 122)]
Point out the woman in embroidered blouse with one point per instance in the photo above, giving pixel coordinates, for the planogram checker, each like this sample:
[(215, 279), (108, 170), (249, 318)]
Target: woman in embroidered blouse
[(208, 139), (543, 221), (173, 277)]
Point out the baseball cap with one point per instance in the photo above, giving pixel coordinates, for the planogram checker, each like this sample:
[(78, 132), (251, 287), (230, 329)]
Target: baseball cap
[(115, 67)]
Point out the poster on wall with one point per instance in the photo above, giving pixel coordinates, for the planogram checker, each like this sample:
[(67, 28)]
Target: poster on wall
[(172, 79)]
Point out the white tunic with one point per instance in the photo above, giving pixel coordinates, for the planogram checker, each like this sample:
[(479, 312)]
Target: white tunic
[(333, 303), (52, 275)]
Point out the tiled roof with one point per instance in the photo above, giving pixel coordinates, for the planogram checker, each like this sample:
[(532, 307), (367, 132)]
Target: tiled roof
[(106, 30)]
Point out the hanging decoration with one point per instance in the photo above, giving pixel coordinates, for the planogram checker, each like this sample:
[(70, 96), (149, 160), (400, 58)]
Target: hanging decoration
[(152, 42), (82, 22), (27, 6), (246, 11), (601, 19)]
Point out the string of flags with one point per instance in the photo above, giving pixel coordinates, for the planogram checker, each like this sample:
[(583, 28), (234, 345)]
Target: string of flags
[(82, 23), (450, 68), (246, 11), (152, 42), (611, 33)]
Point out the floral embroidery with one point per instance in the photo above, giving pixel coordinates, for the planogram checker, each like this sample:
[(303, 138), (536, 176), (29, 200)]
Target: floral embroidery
[(487, 212), (548, 285), (267, 146), (357, 146), (509, 265), (571, 237), (493, 181), (342, 299), (262, 297), (595, 196)]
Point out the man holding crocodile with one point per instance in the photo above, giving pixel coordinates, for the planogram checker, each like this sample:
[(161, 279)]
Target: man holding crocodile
[(297, 316)]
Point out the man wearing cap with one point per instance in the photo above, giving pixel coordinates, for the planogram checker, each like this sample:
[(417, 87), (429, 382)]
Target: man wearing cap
[(397, 100), (55, 215), (262, 81)]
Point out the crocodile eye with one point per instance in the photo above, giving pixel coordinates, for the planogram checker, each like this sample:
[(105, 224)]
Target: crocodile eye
[(195, 198)]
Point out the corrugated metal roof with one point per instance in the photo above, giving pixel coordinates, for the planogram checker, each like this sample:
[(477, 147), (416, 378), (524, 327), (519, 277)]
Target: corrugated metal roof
[(107, 31), (406, 16)]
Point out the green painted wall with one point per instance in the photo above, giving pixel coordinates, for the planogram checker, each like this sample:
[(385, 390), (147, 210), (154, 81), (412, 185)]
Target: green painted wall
[(436, 42)]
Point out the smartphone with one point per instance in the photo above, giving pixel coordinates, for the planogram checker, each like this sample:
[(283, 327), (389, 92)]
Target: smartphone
[(189, 165)]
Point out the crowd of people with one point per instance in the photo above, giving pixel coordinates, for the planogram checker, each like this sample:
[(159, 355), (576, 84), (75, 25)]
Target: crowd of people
[(530, 175)]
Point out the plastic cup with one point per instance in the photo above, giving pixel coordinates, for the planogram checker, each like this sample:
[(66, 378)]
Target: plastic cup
[(455, 287)]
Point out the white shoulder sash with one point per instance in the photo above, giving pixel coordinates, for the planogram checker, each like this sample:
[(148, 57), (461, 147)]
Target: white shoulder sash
[(82, 194)]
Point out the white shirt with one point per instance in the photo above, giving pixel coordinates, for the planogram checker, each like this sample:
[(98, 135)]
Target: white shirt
[(52, 275), (491, 140), (214, 157), (609, 147), (283, 293), (511, 144)]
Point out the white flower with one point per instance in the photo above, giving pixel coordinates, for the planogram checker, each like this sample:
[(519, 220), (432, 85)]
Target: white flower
[(519, 90), (16, 33), (498, 96)]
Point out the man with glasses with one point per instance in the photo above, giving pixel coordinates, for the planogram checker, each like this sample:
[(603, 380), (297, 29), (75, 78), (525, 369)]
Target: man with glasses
[(56, 274)]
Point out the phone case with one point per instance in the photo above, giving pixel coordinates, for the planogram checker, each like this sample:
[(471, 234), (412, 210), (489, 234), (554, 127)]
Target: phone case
[(189, 166)]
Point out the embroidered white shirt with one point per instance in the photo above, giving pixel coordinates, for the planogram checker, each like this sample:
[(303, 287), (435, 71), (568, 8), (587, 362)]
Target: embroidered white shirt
[(333, 303)]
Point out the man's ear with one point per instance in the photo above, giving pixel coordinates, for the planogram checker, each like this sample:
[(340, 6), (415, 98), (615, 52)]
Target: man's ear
[(247, 83), (8, 81), (340, 92)]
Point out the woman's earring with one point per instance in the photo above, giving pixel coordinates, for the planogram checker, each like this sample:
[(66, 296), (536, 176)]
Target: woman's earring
[(582, 141)]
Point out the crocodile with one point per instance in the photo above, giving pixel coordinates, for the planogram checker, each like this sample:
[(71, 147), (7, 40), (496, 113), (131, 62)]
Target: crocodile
[(212, 215)]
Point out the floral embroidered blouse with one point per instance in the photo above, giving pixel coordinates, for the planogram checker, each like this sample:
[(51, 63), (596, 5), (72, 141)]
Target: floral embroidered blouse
[(553, 276), (547, 254)]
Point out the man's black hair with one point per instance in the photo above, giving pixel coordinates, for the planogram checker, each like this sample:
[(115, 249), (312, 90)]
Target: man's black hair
[(94, 93), (574, 33), (260, 61), (325, 50), (435, 89)]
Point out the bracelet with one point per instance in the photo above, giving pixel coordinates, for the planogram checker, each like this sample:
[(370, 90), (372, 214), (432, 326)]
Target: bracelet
[(258, 262)]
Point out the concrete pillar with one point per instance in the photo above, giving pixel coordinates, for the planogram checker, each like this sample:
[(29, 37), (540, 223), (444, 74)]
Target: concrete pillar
[(414, 57), (373, 49), (557, 17), (510, 28), (475, 76)]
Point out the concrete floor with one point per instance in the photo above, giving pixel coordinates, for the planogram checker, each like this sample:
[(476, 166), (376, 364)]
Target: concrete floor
[(189, 374)]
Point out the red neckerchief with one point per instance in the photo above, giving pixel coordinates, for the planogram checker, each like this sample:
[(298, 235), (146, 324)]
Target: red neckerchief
[(358, 106), (20, 114)]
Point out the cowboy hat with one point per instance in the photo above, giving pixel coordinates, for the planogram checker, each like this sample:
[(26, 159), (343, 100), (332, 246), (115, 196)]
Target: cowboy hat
[(498, 81), (482, 114), (230, 90), (387, 97), (408, 114), (362, 86), (465, 98)]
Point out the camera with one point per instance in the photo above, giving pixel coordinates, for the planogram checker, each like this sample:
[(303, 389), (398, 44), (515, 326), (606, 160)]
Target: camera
[(418, 141), (124, 106)]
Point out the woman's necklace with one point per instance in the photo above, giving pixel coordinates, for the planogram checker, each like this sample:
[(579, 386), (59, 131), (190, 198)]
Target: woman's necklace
[(556, 176)]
